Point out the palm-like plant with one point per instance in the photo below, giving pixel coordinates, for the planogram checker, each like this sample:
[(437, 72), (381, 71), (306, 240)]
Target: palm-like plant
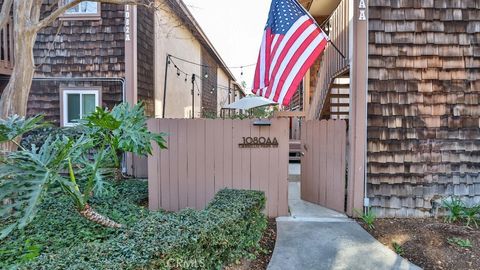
[(15, 126), (124, 129), (77, 165), (27, 174)]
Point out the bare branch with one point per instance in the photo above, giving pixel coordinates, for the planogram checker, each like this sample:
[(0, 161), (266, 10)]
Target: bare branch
[(5, 14), (51, 46), (62, 9)]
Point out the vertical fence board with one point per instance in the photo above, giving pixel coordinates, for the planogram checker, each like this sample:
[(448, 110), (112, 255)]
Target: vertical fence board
[(315, 156), (283, 149), (264, 173), (174, 181), (165, 165), (210, 146), (182, 165), (322, 162), (236, 155), (191, 163), (274, 174), (200, 163), (246, 157), (339, 183), (204, 157), (330, 165), (219, 138), (256, 161), (153, 189), (227, 152)]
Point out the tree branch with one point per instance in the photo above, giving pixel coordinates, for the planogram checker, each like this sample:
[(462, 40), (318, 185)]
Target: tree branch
[(5, 13), (62, 9)]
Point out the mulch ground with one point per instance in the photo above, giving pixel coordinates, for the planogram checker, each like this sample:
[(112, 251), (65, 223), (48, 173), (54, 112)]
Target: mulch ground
[(267, 244), (425, 242)]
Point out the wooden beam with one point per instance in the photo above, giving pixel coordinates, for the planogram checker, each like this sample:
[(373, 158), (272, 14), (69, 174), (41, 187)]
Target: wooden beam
[(358, 108), (337, 113), (285, 114), (340, 86), (333, 104), (306, 91), (339, 96)]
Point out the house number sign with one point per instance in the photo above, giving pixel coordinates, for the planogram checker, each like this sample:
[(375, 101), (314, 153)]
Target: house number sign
[(362, 6), (127, 23), (258, 142)]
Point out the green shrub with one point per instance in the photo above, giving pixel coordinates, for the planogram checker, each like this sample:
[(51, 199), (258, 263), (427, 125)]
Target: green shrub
[(463, 243), (458, 211), (228, 229), (39, 136), (398, 248), (455, 208), (368, 217)]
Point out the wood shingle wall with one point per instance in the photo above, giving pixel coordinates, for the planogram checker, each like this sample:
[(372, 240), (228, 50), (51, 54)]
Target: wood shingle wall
[(209, 88), (83, 48), (146, 56), (423, 110)]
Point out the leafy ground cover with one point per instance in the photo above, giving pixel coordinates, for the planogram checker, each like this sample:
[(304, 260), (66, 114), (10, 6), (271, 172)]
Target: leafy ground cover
[(59, 226), (226, 232)]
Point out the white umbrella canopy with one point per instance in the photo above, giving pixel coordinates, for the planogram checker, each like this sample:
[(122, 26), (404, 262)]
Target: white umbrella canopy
[(250, 102)]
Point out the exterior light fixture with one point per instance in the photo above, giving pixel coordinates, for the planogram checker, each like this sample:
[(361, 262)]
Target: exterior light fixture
[(262, 122)]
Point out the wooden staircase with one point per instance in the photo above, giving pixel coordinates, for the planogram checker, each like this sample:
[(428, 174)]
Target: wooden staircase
[(331, 98)]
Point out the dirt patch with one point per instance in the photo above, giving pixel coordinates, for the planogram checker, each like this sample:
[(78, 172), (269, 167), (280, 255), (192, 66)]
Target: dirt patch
[(267, 244), (425, 242)]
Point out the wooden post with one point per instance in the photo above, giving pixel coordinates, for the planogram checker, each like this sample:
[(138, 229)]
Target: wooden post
[(358, 105), (130, 94), (306, 91)]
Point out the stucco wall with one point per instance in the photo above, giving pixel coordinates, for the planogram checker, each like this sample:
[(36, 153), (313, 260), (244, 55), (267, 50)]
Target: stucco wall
[(176, 40)]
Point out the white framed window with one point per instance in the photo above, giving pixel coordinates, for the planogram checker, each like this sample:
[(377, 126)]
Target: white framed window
[(83, 10), (77, 104)]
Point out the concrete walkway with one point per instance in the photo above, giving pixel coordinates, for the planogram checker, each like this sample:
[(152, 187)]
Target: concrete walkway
[(314, 237)]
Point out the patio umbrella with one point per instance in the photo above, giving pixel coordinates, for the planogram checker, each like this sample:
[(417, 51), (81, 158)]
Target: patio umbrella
[(248, 103)]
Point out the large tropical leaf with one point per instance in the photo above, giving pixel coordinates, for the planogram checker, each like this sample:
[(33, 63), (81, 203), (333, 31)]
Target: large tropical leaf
[(125, 129), (15, 126), (26, 175), (94, 175), (103, 119), (133, 135)]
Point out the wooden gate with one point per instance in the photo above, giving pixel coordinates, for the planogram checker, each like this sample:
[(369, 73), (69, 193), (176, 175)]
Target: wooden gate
[(323, 163), (204, 156)]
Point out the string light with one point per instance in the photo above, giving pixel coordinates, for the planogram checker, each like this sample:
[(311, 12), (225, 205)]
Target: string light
[(201, 65), (180, 71)]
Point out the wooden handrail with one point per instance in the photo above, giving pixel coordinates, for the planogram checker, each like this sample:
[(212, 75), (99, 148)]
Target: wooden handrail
[(6, 48), (332, 63)]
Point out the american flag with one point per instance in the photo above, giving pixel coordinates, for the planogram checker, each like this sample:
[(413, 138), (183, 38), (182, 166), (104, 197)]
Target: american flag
[(291, 43)]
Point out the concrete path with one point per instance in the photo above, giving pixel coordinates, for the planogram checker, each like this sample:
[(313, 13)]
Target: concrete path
[(314, 237)]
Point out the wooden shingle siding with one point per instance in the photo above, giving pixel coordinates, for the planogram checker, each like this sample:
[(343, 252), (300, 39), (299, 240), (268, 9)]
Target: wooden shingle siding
[(83, 48), (423, 104), (209, 97), (145, 43), (45, 96)]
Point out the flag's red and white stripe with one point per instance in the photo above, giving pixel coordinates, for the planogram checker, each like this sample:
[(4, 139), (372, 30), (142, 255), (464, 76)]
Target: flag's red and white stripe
[(284, 59)]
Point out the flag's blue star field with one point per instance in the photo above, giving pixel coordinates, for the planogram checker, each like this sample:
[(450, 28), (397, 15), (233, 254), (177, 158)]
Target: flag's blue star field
[(283, 14)]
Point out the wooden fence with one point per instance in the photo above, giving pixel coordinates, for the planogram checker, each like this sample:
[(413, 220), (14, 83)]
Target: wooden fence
[(323, 163), (204, 156)]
